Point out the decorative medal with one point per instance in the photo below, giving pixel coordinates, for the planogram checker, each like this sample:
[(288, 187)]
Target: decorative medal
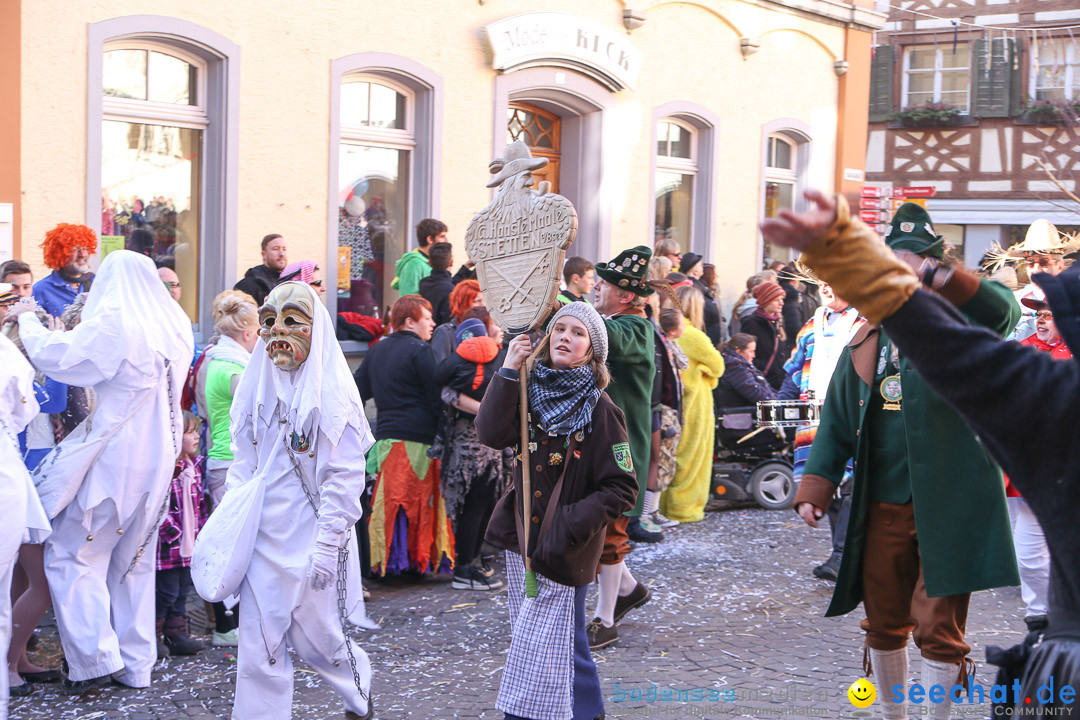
[(555, 458), (891, 390), (300, 443), (881, 360)]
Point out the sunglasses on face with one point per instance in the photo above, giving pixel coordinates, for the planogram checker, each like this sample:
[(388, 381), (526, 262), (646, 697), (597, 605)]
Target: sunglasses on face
[(1044, 315)]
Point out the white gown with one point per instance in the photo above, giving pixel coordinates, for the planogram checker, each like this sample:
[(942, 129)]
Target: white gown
[(105, 483), (19, 506), (279, 609)]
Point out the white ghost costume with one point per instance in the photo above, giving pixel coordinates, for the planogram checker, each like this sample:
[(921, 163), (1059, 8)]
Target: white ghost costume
[(310, 422), (19, 506), (106, 483)]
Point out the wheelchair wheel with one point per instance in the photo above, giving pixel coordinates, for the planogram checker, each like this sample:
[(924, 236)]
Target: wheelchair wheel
[(773, 485)]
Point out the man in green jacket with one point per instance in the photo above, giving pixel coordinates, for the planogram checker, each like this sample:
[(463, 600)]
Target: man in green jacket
[(926, 527), (620, 297), (413, 266)]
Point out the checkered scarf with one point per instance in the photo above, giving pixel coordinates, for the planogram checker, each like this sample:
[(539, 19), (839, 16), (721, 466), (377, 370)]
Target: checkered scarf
[(562, 401)]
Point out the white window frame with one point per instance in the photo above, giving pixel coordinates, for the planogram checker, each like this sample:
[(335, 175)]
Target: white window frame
[(1071, 62), (687, 166), (937, 71), (775, 173), (403, 139), (158, 113), (683, 166), (218, 94)]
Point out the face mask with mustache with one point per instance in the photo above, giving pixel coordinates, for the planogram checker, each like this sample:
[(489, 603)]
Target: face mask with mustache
[(285, 324)]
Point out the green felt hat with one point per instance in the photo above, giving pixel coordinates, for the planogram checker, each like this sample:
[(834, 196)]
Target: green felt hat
[(911, 230), (629, 270)]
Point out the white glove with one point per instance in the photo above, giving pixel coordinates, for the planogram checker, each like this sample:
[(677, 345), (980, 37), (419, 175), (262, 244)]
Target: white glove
[(323, 565)]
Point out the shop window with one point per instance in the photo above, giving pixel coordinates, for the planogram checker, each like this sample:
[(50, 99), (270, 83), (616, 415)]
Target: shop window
[(676, 170), (937, 74), (542, 132), (154, 119), (1057, 70), (373, 184), (785, 158)]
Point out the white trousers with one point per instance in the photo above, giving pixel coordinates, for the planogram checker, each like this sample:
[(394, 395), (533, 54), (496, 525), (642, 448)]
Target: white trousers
[(264, 682), (105, 625), (1032, 556)]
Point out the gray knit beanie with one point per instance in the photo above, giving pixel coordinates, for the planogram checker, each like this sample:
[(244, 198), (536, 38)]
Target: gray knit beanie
[(592, 321)]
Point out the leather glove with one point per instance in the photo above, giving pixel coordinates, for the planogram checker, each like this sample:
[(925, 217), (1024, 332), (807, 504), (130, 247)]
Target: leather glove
[(861, 268), (323, 565)]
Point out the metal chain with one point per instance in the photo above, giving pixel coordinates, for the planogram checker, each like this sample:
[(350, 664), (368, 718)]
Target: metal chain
[(343, 559), (153, 531)]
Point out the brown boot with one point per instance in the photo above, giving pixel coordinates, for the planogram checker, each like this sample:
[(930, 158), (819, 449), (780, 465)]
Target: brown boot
[(178, 642), (162, 651)]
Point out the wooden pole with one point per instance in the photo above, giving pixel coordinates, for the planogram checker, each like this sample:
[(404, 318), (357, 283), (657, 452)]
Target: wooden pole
[(526, 478)]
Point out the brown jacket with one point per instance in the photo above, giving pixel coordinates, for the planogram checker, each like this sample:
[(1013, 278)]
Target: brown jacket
[(595, 492)]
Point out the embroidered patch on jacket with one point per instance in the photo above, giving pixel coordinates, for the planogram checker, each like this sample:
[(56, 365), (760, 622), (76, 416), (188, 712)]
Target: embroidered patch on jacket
[(622, 456), (300, 443)]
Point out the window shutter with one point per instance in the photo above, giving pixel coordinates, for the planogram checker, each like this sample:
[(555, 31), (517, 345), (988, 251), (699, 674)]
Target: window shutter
[(995, 65), (881, 83)]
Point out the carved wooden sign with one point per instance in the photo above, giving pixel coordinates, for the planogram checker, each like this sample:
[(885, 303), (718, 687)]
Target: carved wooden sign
[(518, 243)]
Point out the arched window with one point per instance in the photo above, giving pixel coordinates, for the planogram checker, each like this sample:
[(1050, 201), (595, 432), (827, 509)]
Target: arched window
[(785, 162), (676, 171), (374, 172), (385, 113), (154, 118)]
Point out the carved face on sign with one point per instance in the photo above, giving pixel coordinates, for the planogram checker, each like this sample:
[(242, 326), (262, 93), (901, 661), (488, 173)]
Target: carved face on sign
[(285, 325), (518, 243)]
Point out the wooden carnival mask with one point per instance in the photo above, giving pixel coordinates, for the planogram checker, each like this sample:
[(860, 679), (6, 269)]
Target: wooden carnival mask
[(285, 325)]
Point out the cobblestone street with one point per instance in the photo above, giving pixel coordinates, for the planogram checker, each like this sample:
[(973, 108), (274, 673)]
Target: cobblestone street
[(734, 608)]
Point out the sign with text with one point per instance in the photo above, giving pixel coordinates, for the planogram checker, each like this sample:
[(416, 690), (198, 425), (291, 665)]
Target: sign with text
[(562, 39), (927, 191), (518, 243)]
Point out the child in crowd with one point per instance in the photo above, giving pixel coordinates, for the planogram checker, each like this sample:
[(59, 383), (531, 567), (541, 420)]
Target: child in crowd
[(187, 513)]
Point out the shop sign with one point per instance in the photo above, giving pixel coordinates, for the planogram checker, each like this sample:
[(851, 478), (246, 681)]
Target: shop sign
[(922, 191), (565, 40)]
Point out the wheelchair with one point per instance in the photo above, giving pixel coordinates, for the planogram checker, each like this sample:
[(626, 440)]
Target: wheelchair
[(753, 456)]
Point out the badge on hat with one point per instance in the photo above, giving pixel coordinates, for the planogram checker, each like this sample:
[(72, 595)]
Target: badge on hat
[(907, 227)]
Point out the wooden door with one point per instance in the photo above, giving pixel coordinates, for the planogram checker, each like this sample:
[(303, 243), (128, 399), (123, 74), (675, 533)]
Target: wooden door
[(541, 131)]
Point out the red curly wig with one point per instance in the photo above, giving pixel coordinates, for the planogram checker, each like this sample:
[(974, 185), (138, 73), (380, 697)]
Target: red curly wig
[(462, 298), (62, 240)]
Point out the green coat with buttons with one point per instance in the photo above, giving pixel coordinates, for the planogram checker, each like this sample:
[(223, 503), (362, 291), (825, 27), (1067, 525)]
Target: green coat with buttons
[(962, 522)]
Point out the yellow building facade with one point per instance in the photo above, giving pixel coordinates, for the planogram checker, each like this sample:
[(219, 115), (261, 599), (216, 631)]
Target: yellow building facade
[(341, 125)]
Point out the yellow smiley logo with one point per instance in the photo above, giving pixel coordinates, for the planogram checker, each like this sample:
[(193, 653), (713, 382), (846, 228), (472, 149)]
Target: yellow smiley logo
[(862, 693)]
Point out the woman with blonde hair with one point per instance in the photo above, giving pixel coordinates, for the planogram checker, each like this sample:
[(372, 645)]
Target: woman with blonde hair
[(236, 318), (685, 498)]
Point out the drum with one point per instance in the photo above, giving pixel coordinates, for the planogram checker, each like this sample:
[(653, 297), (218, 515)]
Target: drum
[(788, 413)]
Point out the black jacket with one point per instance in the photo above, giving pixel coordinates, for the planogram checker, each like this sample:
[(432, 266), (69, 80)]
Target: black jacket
[(399, 372), (595, 493), (712, 312), (1022, 405), (768, 348), (459, 374), (435, 288), (258, 282), (741, 385)]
